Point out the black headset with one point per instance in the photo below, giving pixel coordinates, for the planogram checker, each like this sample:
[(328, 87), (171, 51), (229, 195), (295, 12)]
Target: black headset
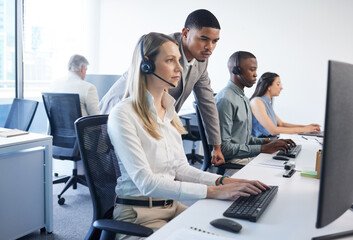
[(147, 66), (236, 69)]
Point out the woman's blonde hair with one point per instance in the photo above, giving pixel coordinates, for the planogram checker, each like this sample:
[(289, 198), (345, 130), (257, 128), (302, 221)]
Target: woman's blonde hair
[(137, 82)]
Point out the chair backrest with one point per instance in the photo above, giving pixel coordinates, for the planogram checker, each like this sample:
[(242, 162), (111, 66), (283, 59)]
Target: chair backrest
[(62, 110), (207, 156), (208, 149), (21, 114), (100, 166)]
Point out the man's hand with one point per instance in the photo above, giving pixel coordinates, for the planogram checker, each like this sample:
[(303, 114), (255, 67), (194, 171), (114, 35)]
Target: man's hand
[(276, 145), (217, 156)]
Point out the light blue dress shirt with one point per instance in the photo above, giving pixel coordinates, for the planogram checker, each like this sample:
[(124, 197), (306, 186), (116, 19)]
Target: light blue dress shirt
[(235, 119)]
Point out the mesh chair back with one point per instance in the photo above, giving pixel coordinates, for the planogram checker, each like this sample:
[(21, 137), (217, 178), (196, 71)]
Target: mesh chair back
[(100, 166), (208, 149), (62, 110), (21, 114)]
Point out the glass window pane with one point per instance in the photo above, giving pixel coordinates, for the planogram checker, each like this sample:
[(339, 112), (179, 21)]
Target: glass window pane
[(50, 38), (52, 32), (7, 57)]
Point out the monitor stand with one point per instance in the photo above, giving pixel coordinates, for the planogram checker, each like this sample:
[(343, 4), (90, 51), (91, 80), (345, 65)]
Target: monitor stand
[(335, 236)]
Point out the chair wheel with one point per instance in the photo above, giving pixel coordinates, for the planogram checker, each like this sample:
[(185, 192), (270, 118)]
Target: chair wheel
[(61, 201), (43, 230)]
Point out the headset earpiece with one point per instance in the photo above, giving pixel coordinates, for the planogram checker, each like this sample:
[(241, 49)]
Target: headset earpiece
[(236, 70), (147, 66)]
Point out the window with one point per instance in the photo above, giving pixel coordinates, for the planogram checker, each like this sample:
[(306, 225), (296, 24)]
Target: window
[(7, 57), (53, 31)]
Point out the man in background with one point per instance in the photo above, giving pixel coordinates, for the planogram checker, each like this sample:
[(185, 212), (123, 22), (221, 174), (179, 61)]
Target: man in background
[(197, 41), (74, 82)]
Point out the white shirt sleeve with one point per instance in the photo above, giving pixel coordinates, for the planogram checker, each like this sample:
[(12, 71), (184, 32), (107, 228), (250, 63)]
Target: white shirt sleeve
[(92, 101)]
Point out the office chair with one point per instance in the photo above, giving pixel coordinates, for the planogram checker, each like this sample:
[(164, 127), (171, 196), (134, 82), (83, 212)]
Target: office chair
[(21, 114), (208, 149), (101, 171), (62, 110), (193, 135)]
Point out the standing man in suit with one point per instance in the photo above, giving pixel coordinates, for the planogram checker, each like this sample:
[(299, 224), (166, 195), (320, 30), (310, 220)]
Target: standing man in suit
[(197, 41), (74, 83)]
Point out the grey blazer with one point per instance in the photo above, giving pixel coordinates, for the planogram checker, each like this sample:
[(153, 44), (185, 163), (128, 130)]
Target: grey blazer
[(197, 80)]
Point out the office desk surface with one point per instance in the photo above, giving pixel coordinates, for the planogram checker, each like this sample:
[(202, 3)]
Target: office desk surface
[(22, 139), (291, 214)]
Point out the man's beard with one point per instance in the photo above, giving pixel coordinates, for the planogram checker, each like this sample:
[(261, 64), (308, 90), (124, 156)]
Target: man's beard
[(200, 60)]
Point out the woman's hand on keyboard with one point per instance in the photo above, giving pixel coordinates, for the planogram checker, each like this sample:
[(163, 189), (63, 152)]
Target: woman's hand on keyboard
[(311, 128), (233, 188)]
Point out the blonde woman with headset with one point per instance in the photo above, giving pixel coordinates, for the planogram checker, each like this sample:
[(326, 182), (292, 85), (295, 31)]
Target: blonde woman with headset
[(146, 133)]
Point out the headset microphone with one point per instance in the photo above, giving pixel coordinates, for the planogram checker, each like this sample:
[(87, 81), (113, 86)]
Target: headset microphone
[(171, 84), (237, 71), (148, 67)]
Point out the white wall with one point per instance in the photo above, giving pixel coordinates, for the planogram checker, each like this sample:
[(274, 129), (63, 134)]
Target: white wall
[(292, 38)]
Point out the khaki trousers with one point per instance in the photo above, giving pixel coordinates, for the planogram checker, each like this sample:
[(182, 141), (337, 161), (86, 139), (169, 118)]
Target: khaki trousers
[(241, 161), (154, 217)]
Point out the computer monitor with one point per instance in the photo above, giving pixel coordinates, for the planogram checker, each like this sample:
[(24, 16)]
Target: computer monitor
[(336, 180), (102, 82)]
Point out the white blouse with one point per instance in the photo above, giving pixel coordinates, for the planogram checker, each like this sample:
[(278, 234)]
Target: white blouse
[(151, 167)]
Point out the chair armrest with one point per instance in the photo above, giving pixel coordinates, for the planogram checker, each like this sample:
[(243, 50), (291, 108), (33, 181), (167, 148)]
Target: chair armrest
[(122, 227)]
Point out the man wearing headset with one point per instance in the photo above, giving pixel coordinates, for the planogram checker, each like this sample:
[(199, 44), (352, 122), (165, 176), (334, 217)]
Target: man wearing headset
[(238, 146), (197, 41)]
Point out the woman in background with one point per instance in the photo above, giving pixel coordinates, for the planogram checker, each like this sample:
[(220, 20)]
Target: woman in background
[(146, 132), (265, 120)]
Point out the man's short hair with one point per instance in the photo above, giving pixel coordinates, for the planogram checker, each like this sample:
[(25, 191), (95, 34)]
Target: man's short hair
[(236, 58), (201, 18), (76, 62), (242, 55)]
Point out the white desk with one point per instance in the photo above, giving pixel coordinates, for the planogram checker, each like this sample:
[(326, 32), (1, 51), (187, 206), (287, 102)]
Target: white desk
[(290, 215), (26, 190)]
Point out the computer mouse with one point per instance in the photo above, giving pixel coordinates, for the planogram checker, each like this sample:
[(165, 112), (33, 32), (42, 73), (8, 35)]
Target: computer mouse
[(226, 224), (283, 158)]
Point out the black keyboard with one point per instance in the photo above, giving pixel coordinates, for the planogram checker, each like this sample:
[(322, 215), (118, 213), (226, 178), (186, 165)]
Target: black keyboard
[(292, 153), (315, 134), (252, 207)]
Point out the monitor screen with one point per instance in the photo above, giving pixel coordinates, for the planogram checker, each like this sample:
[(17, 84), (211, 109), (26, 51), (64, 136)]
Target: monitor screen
[(102, 82), (336, 181)]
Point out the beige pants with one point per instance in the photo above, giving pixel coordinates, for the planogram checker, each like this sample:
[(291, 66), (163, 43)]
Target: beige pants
[(241, 161), (155, 217)]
